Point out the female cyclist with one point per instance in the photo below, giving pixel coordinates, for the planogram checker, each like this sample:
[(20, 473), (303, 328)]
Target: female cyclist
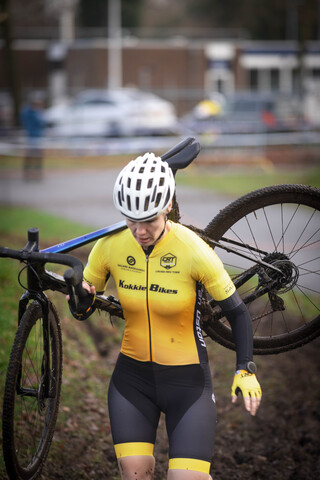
[(160, 269)]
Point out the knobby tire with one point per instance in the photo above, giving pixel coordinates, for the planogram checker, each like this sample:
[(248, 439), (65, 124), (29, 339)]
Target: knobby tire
[(29, 419), (281, 225)]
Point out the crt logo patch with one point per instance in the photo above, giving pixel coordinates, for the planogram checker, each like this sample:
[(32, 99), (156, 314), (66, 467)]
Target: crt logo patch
[(168, 261)]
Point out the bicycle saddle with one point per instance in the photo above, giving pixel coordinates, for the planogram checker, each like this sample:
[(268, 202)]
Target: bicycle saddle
[(182, 154)]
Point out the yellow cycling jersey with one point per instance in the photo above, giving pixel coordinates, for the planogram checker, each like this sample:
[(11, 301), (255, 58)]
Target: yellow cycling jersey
[(160, 293)]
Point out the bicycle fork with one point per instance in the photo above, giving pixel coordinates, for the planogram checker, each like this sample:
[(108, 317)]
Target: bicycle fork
[(45, 387)]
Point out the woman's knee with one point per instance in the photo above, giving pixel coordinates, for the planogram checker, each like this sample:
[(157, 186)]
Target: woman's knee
[(137, 467), (187, 475)]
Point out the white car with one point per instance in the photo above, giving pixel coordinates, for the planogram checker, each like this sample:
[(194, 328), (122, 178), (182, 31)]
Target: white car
[(112, 113)]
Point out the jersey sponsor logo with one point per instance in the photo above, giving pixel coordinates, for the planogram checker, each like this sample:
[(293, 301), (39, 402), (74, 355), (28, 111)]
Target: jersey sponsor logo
[(130, 286), (198, 329), (131, 260), (131, 268), (168, 261), (154, 287)]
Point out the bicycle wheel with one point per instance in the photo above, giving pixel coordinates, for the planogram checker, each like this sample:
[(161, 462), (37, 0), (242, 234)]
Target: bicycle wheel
[(279, 225), (30, 404)]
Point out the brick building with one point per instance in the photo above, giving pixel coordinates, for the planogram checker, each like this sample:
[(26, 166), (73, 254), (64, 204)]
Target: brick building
[(178, 69)]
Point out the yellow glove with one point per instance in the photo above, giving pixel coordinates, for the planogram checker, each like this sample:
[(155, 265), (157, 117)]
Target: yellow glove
[(248, 385)]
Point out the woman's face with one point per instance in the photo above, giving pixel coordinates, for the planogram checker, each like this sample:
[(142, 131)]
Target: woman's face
[(148, 233)]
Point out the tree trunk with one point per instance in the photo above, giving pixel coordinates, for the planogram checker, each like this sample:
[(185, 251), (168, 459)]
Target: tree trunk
[(10, 66)]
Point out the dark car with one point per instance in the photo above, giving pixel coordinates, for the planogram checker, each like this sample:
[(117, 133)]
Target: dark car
[(249, 113)]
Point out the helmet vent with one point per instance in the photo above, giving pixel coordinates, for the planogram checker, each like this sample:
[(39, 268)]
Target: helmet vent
[(128, 202), (168, 196), (138, 185), (129, 182), (146, 204), (150, 182), (158, 199)]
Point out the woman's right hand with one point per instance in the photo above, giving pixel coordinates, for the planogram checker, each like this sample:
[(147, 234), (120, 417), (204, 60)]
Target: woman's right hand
[(86, 286)]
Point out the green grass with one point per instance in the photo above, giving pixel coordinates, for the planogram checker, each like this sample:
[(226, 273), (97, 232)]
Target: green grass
[(237, 181), (17, 220), (57, 161)]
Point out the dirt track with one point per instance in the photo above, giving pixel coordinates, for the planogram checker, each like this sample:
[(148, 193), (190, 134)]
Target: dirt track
[(281, 443)]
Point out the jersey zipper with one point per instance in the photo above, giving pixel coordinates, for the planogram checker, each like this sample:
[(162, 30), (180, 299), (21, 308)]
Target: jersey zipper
[(148, 311)]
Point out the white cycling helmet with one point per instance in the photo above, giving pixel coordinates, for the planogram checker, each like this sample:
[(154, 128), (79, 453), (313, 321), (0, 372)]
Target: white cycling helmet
[(144, 188)]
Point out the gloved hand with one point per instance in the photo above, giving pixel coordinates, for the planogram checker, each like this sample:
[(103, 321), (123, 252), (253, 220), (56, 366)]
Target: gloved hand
[(248, 385), (85, 305), (85, 308)]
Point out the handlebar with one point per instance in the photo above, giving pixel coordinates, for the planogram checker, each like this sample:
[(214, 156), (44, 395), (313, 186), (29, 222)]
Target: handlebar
[(72, 278)]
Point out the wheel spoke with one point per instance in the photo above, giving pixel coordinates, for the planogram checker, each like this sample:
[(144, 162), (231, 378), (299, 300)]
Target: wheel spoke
[(282, 225)]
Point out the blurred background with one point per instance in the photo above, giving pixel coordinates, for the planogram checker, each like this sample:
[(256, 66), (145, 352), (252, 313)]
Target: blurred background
[(108, 70)]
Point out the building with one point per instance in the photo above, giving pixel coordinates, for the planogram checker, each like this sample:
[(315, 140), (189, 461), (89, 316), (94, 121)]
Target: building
[(179, 69)]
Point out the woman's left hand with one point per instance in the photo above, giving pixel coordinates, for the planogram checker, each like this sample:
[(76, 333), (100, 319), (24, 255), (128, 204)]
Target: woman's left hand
[(248, 385)]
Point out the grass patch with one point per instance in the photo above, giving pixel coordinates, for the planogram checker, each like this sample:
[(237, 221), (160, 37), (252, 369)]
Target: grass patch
[(62, 161), (244, 180), (15, 221)]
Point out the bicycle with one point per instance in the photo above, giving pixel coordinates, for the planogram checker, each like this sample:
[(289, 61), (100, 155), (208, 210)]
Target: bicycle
[(271, 236)]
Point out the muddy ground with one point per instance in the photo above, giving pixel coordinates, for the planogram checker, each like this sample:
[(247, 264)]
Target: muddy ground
[(281, 443)]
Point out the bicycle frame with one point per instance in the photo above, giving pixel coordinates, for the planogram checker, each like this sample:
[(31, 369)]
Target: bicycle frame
[(77, 242)]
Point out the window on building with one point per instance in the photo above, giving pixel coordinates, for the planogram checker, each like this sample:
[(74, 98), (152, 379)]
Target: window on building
[(295, 80), (220, 85), (275, 79), (253, 79)]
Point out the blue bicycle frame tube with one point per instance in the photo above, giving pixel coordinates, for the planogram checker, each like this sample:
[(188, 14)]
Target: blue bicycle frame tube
[(84, 239)]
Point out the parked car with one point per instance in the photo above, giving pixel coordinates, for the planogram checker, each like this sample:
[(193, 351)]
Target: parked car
[(249, 113), (122, 112)]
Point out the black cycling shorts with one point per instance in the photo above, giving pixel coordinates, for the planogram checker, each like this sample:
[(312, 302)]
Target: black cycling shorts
[(140, 391)]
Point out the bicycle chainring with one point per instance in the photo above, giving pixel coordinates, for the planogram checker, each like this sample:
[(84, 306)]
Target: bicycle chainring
[(284, 282)]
